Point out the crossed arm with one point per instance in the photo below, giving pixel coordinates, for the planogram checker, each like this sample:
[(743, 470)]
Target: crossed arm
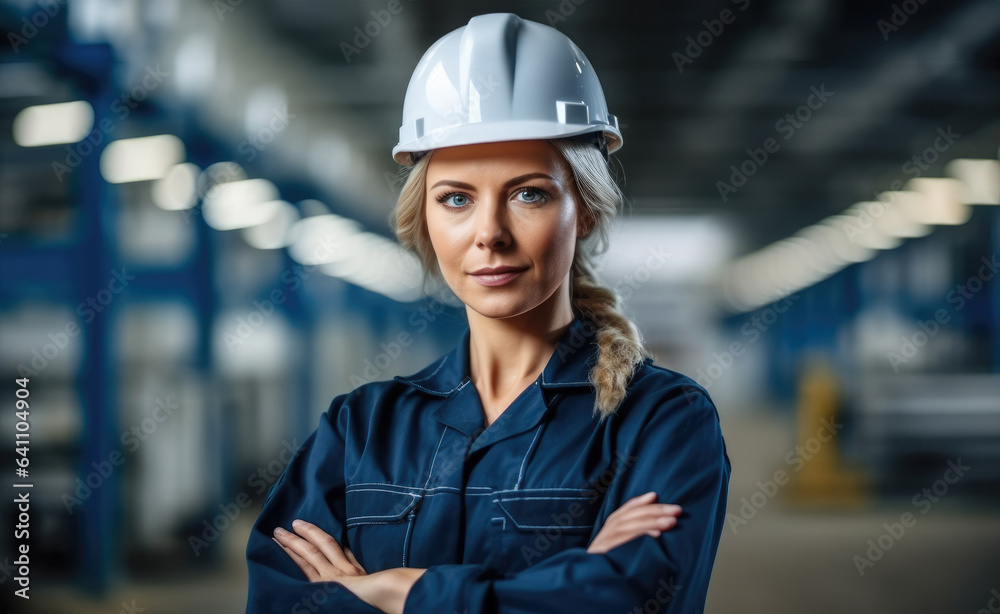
[(322, 559), (680, 453)]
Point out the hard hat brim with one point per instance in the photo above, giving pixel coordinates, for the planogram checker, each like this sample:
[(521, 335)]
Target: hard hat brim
[(522, 130)]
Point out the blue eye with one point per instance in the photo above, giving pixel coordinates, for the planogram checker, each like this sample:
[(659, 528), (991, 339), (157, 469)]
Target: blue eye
[(457, 200), (538, 195)]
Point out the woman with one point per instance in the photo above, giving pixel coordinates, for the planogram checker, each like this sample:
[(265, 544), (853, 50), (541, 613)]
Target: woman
[(521, 471)]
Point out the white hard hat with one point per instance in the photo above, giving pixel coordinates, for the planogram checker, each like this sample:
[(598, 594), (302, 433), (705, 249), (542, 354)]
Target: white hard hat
[(503, 78)]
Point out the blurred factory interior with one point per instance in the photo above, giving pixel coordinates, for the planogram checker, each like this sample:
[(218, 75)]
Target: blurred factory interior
[(812, 233)]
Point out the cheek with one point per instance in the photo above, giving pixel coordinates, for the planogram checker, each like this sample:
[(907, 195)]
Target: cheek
[(446, 241), (553, 248)]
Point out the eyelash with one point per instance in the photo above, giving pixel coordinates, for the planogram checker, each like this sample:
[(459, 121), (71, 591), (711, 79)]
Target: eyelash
[(544, 196)]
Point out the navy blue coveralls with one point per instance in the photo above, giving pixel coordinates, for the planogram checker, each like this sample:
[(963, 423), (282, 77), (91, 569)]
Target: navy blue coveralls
[(403, 473)]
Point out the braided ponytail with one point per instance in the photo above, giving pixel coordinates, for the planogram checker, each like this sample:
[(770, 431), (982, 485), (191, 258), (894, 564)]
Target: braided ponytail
[(620, 345)]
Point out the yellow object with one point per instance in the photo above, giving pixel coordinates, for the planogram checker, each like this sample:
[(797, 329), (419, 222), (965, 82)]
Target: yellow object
[(818, 477)]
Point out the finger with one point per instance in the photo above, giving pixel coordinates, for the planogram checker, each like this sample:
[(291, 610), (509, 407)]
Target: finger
[(326, 545), (643, 516), (643, 498), (354, 561), (305, 549), (637, 522), (655, 509), (650, 511), (311, 574), (640, 526)]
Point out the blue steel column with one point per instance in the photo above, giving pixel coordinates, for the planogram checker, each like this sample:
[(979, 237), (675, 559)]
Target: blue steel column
[(995, 293), (101, 513)]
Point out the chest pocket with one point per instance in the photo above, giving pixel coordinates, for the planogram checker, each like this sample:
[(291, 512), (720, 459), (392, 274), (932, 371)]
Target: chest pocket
[(379, 524), (538, 523)]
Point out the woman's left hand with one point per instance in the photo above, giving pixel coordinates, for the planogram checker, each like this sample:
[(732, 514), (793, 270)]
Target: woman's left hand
[(321, 559), (317, 554)]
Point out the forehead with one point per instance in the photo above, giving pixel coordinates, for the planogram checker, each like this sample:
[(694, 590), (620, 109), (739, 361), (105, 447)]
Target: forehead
[(502, 158)]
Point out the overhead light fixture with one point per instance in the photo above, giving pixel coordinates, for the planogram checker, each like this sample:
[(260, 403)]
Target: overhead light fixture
[(141, 159), (860, 234), (53, 124), (322, 239), (239, 204), (273, 233), (940, 203), (178, 189), (981, 179)]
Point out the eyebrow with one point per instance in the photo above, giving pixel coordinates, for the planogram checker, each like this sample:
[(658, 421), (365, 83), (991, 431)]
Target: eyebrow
[(515, 180)]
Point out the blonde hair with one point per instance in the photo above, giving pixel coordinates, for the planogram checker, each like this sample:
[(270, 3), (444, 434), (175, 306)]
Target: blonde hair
[(621, 349)]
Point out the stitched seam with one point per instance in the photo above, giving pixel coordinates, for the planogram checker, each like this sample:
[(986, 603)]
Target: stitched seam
[(395, 492), (442, 490), (543, 499), (529, 490), (438, 392), (354, 523), (440, 366), (524, 461), (414, 489), (430, 472), (553, 526), (406, 538)]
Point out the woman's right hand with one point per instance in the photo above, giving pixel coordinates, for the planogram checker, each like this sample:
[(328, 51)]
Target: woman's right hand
[(637, 516)]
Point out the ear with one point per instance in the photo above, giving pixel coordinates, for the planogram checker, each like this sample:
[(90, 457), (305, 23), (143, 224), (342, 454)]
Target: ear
[(583, 226)]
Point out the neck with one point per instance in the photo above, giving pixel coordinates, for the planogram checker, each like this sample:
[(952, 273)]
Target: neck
[(507, 353)]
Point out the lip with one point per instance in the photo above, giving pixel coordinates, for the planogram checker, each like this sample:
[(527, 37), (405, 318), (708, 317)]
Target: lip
[(497, 276), (496, 270)]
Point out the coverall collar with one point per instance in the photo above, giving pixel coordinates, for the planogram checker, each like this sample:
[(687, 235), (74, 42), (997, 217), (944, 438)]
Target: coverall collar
[(569, 366)]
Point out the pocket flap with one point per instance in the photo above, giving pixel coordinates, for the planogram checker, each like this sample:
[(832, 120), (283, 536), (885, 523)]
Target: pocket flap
[(374, 505), (531, 510)]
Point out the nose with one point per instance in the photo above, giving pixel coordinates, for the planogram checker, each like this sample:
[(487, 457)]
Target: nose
[(492, 231)]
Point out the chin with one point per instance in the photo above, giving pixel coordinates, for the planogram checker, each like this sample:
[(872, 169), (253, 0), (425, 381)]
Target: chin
[(497, 307)]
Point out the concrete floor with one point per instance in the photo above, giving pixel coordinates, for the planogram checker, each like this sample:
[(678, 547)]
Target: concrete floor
[(792, 560), (782, 560)]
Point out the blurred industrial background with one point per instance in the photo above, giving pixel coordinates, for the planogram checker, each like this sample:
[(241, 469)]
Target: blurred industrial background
[(196, 258)]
